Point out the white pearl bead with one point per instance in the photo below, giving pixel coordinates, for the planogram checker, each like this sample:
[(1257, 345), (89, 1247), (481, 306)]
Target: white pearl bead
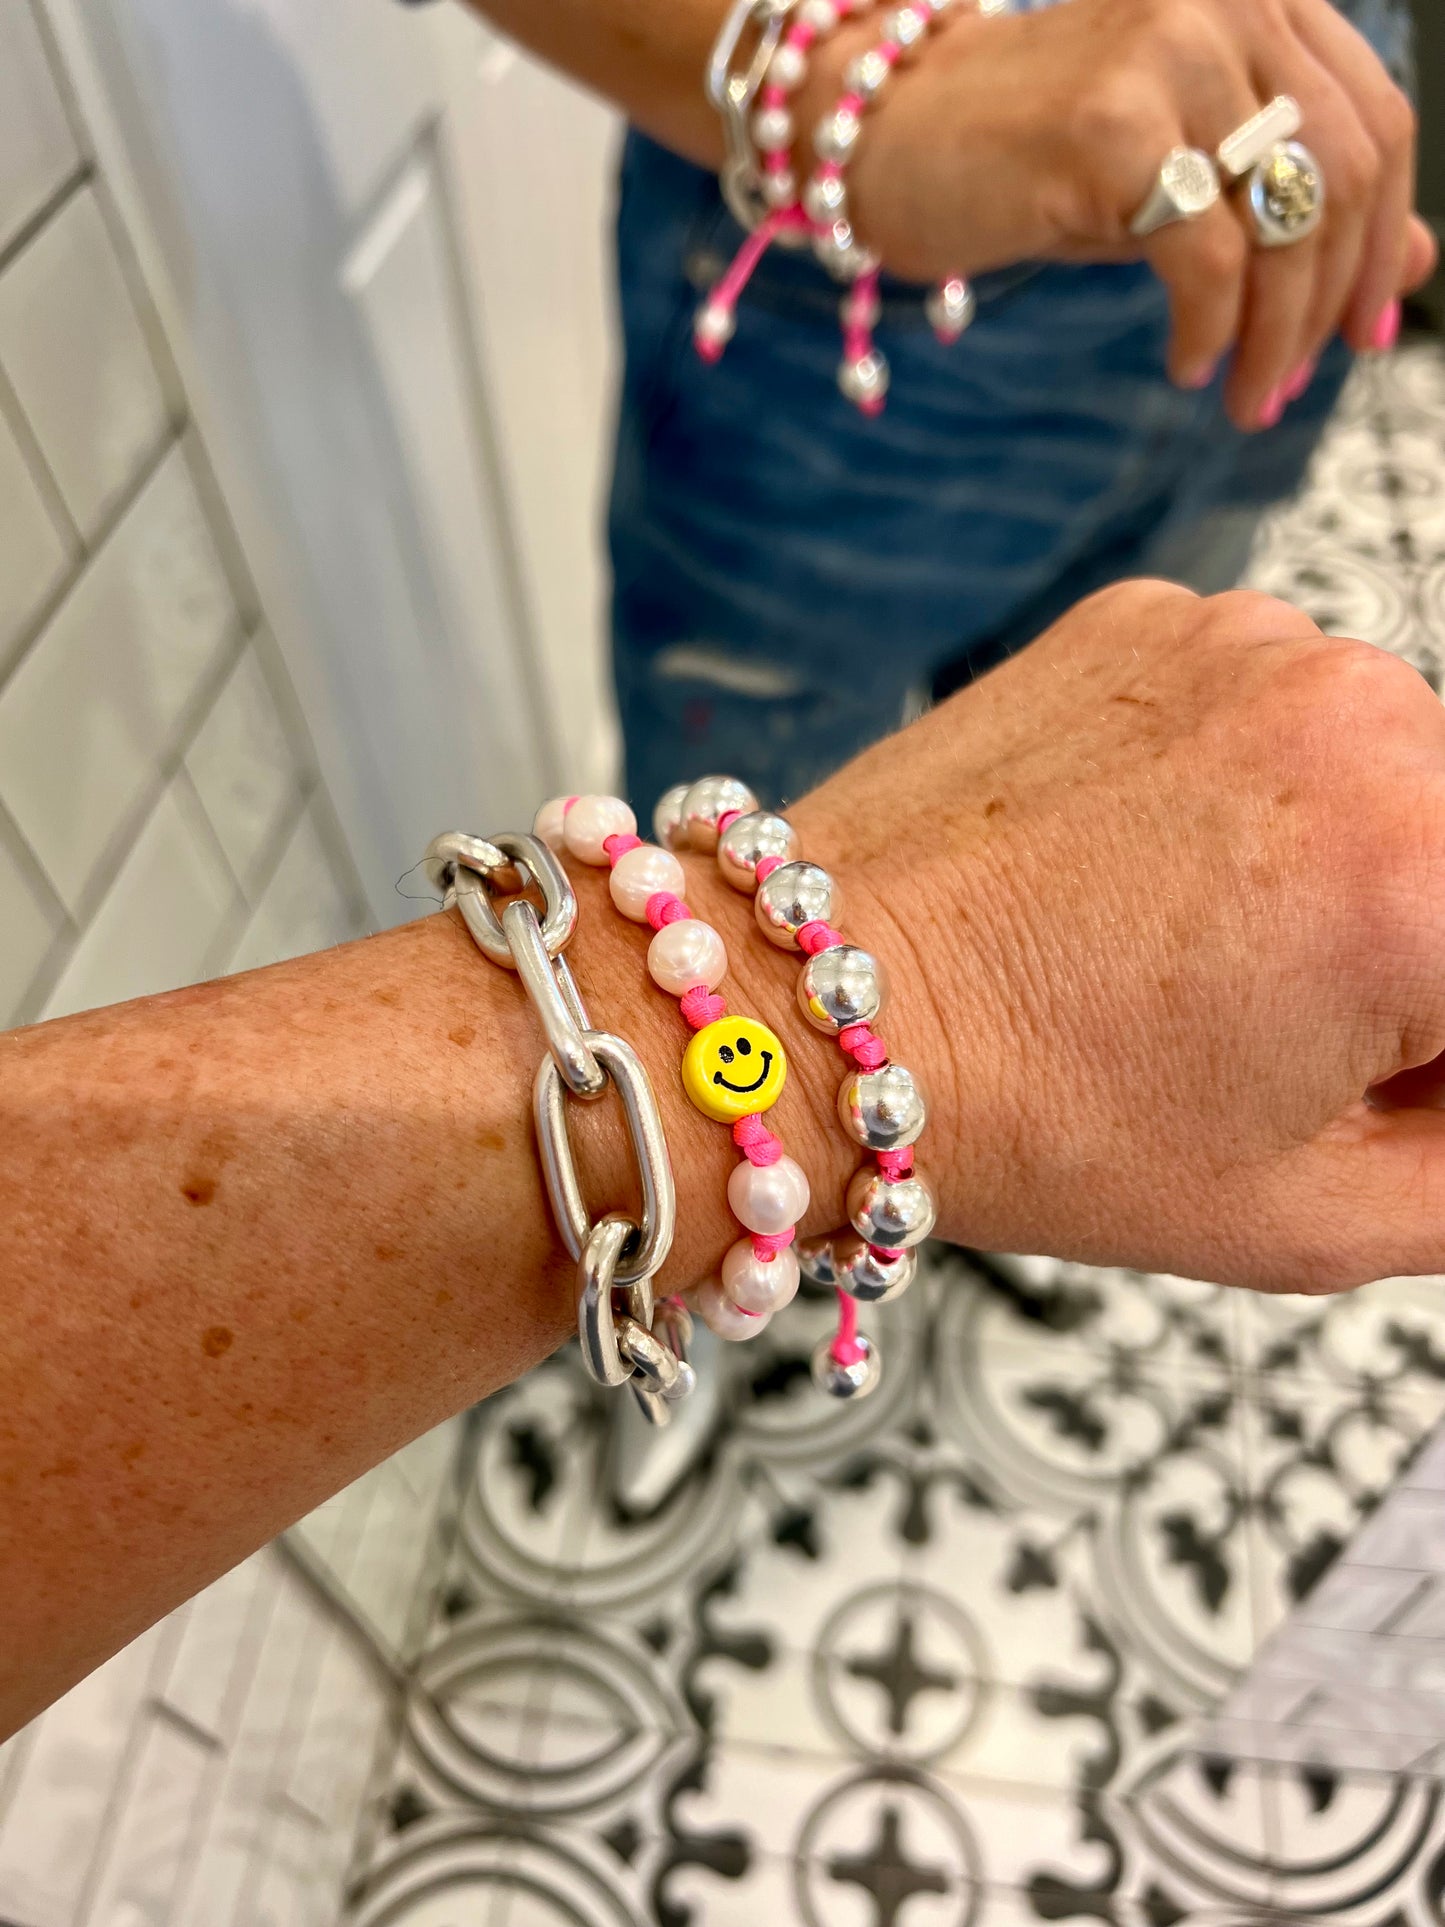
[(589, 823), (780, 189), (547, 823), (769, 1197), (639, 874), (773, 129), (686, 953), (721, 1316), (758, 1285), (789, 65), (820, 15)]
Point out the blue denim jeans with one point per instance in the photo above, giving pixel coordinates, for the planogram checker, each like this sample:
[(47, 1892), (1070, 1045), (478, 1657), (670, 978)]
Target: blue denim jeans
[(787, 573)]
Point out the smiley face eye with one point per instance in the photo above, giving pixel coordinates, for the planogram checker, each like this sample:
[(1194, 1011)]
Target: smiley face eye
[(725, 1053), (745, 1049)]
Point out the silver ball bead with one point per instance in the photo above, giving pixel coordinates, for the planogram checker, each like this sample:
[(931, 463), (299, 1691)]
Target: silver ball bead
[(865, 380), (667, 818), (841, 986), (816, 1257), (847, 1381), (950, 308), (706, 802), (825, 199), (744, 843), (837, 135), (788, 67), (780, 188), (820, 15), (792, 895), (907, 26), (937, 7), (715, 324), (883, 1110), (867, 74), (893, 1212), (858, 1270), (773, 128)]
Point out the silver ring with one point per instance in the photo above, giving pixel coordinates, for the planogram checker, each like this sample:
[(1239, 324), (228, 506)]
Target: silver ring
[(1286, 195), (1186, 186), (1248, 145)]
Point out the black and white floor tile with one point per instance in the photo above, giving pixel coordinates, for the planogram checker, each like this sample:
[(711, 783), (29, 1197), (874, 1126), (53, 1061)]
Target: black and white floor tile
[(944, 1659)]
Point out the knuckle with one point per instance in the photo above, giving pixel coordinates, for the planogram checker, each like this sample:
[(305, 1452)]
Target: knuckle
[(1253, 616), (1117, 119), (1396, 124), (1220, 248), (1355, 168)]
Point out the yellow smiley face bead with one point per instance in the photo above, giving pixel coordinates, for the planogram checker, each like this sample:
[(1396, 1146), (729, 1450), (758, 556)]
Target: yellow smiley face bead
[(733, 1068)]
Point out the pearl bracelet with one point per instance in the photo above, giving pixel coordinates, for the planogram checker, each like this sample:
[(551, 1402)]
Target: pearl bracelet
[(842, 990), (734, 1068), (822, 211)]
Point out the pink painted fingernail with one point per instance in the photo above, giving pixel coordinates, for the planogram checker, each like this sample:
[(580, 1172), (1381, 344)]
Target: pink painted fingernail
[(1387, 328), (1300, 379), (1271, 408), (1200, 377)]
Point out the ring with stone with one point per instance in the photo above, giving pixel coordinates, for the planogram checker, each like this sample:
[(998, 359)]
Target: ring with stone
[(1240, 152), (1186, 186), (1286, 195)]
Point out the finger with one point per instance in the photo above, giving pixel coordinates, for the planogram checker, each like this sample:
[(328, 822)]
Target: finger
[(1389, 123), (1279, 290), (1202, 264), (1368, 1198)]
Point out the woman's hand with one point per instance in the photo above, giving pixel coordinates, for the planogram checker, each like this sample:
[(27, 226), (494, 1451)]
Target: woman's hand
[(1040, 136), (1163, 902)]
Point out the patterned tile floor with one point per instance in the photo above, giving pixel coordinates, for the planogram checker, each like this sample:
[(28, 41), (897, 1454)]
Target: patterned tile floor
[(935, 1660)]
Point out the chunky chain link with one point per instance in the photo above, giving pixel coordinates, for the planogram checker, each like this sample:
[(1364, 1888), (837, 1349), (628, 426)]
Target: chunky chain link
[(616, 1257)]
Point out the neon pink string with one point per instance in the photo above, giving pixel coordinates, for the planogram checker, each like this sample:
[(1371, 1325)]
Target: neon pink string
[(896, 1164), (726, 820), (860, 1043), (883, 1252), (767, 866), (664, 908), (700, 1007), (729, 290), (617, 846), (813, 937), (756, 1141), (845, 1348), (767, 1244), (567, 803)]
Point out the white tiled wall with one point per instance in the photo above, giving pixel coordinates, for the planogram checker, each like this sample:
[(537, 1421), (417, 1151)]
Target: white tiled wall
[(160, 822)]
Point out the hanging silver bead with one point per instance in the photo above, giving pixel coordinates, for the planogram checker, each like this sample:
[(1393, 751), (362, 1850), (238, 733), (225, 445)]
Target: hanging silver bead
[(744, 843), (950, 308), (864, 1275), (893, 1212), (816, 1258), (847, 1381), (792, 895), (865, 380), (841, 986), (882, 1110), (867, 74), (715, 324), (667, 818), (837, 135), (706, 802)]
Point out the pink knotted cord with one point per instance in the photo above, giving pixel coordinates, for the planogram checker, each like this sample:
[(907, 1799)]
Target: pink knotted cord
[(567, 803), (700, 1007), (756, 1141), (896, 1164), (846, 1349), (860, 316), (863, 1046), (766, 867), (813, 937), (767, 1244), (726, 821), (663, 907), (616, 847), (726, 294)]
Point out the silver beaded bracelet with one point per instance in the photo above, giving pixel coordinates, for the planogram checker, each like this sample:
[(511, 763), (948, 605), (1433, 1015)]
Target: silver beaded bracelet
[(643, 1346), (732, 89)]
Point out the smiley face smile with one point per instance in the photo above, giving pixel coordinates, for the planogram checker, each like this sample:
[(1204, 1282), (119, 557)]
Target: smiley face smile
[(746, 1090)]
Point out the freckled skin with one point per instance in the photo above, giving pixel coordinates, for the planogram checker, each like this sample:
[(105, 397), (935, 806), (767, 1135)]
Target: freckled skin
[(198, 1190), (216, 1341)]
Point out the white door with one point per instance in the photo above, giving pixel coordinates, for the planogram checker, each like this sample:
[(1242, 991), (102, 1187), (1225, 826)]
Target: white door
[(382, 238)]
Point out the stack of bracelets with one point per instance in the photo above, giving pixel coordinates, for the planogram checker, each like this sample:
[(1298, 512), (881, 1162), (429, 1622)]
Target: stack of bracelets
[(762, 188), (733, 1070)]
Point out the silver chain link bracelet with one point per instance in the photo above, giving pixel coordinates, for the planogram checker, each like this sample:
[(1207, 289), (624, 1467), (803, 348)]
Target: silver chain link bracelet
[(643, 1345)]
